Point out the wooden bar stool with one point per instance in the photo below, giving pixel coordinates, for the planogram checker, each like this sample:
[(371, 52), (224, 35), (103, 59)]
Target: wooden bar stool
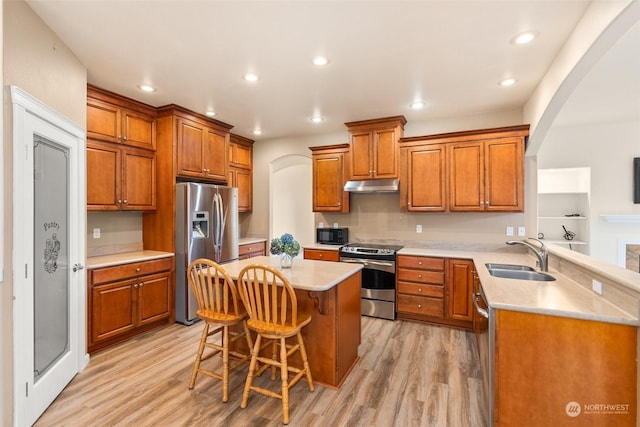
[(273, 314), (218, 307)]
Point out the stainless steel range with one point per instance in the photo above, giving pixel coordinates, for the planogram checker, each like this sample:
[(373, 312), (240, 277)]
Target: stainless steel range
[(378, 289)]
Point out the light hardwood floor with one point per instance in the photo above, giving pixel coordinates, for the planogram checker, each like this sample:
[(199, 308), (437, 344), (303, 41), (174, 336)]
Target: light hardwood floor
[(409, 374)]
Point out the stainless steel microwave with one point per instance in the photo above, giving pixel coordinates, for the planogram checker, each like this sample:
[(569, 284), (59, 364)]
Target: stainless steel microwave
[(332, 236)]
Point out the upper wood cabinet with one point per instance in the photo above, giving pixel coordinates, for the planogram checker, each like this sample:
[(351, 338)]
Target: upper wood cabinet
[(423, 170), (240, 152), (374, 147), (472, 171), (121, 158), (487, 175), (120, 178), (201, 151), (113, 118), (240, 163), (330, 165)]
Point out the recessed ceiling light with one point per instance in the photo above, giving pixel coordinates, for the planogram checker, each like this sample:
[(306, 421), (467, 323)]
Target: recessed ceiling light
[(320, 60), (257, 132), (524, 38), (251, 77), (147, 88), (507, 82), (317, 119), (417, 105), (210, 113)]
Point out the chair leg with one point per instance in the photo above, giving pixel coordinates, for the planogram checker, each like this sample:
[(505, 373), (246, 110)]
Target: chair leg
[(284, 373), (196, 365), (225, 363), (303, 354), (274, 355), (252, 368)]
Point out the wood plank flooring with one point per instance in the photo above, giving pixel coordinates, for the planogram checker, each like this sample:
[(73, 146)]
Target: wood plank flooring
[(409, 374)]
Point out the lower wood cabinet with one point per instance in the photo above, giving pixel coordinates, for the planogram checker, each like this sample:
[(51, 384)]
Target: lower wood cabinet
[(251, 250), (128, 299), (321, 255), (435, 290), (558, 371)]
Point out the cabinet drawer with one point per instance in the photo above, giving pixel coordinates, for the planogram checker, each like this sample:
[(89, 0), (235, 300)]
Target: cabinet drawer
[(321, 255), (422, 290), (427, 263), (426, 306), (252, 248), (421, 276), (119, 272)]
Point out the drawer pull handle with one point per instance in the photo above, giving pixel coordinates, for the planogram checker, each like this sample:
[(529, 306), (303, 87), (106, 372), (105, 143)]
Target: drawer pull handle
[(138, 270), (419, 262), (419, 305), (420, 276), (419, 289)]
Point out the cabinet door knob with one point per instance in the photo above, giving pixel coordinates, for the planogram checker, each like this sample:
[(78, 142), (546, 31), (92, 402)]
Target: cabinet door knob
[(124, 137), (125, 201), (119, 201), (135, 286)]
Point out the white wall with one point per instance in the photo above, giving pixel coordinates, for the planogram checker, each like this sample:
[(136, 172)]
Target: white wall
[(36, 60), (609, 150)]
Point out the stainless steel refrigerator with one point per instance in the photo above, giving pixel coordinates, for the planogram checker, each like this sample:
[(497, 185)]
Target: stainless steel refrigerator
[(206, 227)]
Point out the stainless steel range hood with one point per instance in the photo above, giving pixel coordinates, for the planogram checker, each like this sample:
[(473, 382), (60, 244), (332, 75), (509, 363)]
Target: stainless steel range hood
[(372, 186)]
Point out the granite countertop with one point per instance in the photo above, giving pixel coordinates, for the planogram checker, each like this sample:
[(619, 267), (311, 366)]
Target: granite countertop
[(125, 258), (251, 240), (308, 275), (323, 247), (562, 297)]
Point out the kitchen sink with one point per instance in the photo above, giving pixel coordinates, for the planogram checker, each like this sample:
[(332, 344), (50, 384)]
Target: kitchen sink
[(492, 266), (521, 274)]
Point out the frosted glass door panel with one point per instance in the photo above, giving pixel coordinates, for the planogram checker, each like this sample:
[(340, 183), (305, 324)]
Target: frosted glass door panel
[(51, 246)]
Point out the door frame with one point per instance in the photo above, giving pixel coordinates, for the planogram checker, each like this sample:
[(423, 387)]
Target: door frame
[(26, 110)]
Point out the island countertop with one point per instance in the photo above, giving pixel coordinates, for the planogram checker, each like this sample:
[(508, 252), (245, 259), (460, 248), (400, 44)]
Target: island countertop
[(306, 274)]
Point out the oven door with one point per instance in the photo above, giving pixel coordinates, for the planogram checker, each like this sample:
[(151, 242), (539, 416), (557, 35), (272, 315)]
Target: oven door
[(378, 278)]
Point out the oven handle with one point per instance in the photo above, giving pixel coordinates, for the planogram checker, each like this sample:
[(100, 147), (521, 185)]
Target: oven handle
[(378, 265), (479, 309)]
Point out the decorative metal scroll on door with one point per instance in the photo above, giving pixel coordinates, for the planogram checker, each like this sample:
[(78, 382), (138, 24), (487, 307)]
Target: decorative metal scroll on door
[(51, 245)]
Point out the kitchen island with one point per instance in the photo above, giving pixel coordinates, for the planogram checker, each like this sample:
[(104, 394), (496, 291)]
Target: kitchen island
[(330, 292)]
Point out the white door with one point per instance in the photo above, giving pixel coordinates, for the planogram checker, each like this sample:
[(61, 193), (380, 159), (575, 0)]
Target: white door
[(49, 240)]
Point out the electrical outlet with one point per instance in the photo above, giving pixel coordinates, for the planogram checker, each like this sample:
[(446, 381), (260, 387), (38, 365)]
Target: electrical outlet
[(335, 225), (596, 286), (521, 231), (418, 228), (96, 233), (321, 225), (509, 231)]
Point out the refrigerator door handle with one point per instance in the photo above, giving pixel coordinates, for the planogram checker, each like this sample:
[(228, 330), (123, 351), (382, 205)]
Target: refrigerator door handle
[(219, 220)]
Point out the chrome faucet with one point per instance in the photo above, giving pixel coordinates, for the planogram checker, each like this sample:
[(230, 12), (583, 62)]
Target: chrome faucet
[(542, 253)]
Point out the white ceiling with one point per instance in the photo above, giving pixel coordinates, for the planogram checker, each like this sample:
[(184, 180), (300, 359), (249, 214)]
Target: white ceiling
[(384, 55)]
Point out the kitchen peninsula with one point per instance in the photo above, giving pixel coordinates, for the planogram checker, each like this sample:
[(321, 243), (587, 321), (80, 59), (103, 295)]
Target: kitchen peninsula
[(330, 291)]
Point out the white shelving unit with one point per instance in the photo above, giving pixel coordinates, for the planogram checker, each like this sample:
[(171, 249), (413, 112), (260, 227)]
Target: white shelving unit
[(563, 200)]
